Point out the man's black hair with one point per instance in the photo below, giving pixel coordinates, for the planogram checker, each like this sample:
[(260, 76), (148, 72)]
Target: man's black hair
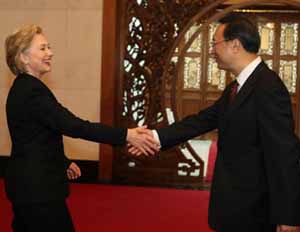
[(242, 28)]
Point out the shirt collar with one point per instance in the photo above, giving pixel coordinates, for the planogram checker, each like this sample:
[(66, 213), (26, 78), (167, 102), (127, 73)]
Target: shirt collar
[(247, 71)]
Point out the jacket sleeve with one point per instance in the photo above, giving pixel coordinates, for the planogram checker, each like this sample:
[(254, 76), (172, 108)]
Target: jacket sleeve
[(50, 113), (189, 127), (281, 153)]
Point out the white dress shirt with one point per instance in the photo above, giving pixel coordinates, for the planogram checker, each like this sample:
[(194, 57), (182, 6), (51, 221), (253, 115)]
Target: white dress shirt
[(247, 71)]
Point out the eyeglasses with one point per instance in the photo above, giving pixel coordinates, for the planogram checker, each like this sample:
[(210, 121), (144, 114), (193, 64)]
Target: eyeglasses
[(214, 43)]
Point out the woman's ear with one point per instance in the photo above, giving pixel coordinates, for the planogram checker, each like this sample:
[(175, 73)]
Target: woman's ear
[(24, 58)]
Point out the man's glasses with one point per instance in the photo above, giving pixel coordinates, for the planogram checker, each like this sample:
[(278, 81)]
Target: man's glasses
[(214, 43)]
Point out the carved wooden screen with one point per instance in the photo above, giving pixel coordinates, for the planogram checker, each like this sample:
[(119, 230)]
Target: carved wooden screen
[(149, 30), (280, 49)]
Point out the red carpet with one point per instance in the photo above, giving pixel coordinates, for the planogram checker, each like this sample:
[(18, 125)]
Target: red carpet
[(108, 208)]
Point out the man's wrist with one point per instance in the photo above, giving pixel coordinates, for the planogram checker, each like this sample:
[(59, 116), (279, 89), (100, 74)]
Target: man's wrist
[(156, 138)]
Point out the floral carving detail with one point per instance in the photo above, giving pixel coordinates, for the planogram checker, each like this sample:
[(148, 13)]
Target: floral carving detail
[(152, 28)]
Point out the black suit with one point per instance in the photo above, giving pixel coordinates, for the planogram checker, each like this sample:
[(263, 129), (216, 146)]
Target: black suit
[(256, 178), (36, 171)]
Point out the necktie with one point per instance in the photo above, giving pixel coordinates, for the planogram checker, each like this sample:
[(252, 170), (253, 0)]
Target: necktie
[(233, 91)]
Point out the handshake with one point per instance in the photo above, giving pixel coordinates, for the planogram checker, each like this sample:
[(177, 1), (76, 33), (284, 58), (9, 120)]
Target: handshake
[(141, 141)]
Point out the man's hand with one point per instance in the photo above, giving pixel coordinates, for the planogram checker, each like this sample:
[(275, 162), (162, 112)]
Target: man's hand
[(141, 141), (73, 172), (286, 228)]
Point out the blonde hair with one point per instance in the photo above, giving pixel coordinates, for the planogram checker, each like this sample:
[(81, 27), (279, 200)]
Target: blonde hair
[(17, 43)]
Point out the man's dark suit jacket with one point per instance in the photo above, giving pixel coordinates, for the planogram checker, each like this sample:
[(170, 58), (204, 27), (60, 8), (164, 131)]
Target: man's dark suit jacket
[(256, 174), (37, 122)]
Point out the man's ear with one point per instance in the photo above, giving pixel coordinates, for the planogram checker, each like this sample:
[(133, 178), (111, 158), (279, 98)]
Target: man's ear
[(236, 45), (24, 58)]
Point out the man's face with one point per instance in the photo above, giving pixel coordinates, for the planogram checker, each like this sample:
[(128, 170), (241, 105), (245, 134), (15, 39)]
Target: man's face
[(221, 49)]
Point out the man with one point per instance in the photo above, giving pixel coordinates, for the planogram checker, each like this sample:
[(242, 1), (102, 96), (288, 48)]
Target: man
[(256, 183)]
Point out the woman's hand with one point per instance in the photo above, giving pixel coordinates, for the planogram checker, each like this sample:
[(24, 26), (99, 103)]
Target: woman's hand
[(73, 172)]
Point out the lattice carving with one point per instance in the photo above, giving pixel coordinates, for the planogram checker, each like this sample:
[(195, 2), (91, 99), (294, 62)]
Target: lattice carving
[(152, 27)]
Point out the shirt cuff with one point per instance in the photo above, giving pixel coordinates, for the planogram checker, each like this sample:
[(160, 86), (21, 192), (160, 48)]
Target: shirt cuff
[(156, 138)]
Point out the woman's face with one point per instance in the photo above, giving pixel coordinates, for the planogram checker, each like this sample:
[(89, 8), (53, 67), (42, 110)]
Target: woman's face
[(37, 58)]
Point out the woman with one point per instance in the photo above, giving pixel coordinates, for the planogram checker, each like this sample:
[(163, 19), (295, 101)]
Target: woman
[(36, 178)]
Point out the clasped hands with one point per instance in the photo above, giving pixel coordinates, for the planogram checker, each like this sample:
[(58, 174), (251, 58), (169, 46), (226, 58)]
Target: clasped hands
[(141, 141)]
